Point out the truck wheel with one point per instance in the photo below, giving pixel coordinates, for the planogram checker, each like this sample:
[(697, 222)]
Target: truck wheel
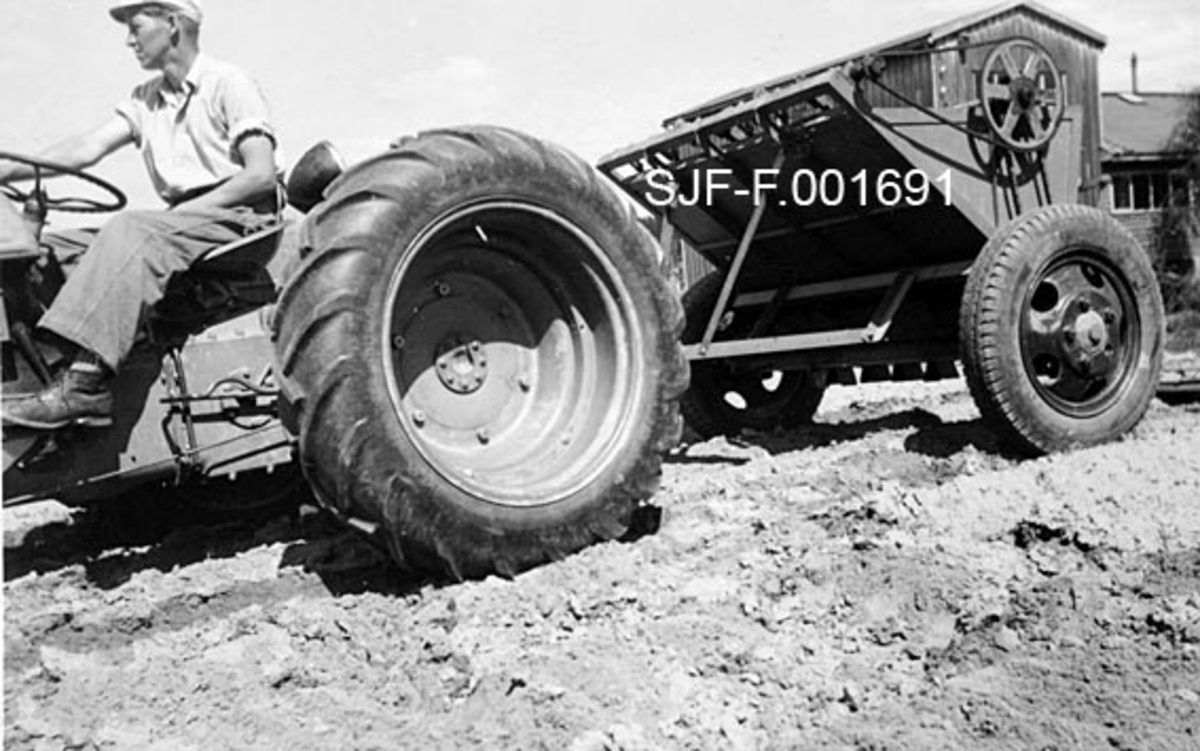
[(722, 400), (478, 353), (1061, 330)]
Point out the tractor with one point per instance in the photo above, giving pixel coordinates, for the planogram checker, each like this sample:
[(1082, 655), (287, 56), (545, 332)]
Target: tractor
[(464, 346)]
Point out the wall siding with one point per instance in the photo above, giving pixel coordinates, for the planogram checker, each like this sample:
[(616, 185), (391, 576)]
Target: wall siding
[(911, 76)]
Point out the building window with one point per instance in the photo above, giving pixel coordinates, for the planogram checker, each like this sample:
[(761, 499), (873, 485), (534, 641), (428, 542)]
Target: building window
[(1147, 191)]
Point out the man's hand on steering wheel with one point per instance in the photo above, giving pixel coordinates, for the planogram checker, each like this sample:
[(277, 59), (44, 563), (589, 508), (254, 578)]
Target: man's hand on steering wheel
[(80, 204)]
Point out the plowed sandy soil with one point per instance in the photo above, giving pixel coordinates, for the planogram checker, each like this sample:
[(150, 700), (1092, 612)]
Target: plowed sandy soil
[(888, 579)]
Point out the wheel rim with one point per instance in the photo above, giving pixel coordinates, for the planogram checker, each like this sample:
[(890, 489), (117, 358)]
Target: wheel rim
[(511, 353), (760, 398), (752, 398), (1080, 334)]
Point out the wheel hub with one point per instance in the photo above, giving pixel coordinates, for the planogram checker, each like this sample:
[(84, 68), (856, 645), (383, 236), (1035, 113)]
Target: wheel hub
[(1091, 331), (462, 365), (1024, 94), (1088, 340)]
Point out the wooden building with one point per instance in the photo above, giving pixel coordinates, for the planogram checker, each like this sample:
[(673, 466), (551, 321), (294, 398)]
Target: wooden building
[(1143, 166)]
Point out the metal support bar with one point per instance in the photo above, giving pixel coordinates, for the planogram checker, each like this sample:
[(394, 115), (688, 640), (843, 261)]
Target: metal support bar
[(853, 284), (162, 468), (769, 315), (735, 268), (770, 344), (882, 319), (872, 333), (183, 410), (859, 355), (23, 338)]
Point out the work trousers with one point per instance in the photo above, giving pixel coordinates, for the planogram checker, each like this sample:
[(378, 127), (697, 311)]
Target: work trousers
[(124, 268)]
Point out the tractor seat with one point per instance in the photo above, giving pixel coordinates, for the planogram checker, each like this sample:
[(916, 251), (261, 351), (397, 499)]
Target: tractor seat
[(253, 250), (239, 276), (225, 282)]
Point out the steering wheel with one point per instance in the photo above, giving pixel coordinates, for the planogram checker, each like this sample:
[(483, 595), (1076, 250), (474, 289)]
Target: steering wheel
[(77, 204)]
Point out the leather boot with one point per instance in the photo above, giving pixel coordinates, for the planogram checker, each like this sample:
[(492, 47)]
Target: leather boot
[(79, 396)]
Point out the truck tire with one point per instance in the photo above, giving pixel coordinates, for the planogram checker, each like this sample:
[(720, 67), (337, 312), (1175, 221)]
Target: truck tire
[(724, 401), (1061, 330), (479, 354)]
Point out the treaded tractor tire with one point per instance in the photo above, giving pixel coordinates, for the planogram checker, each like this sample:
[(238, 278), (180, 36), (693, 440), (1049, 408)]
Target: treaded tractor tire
[(721, 401), (1061, 330), (479, 354)]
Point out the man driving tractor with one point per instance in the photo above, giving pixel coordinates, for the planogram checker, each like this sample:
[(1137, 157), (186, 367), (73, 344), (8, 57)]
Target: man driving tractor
[(203, 129)]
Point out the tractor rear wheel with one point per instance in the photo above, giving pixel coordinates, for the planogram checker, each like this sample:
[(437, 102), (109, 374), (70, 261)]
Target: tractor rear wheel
[(479, 354), (1061, 330), (722, 400)]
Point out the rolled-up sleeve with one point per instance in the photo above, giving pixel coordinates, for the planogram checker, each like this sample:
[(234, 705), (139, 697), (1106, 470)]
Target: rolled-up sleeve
[(245, 111)]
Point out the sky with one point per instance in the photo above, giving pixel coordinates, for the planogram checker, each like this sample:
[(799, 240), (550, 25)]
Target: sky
[(593, 76)]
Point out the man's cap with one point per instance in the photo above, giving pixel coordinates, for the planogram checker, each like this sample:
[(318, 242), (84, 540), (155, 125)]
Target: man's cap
[(188, 8)]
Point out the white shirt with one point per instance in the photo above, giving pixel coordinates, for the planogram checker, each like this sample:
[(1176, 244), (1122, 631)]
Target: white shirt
[(189, 138)]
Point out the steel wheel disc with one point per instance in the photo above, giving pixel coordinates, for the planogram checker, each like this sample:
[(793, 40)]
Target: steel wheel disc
[(508, 348), (759, 393), (1080, 334)]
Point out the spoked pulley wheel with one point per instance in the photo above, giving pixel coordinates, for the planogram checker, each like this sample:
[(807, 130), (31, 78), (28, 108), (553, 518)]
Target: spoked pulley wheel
[(1022, 95)]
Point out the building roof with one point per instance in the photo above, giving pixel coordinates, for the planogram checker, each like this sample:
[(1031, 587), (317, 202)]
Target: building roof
[(923, 39), (1139, 126), (961, 24)]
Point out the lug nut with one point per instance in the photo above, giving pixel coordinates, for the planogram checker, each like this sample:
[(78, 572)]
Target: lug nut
[(483, 435), (418, 418)]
